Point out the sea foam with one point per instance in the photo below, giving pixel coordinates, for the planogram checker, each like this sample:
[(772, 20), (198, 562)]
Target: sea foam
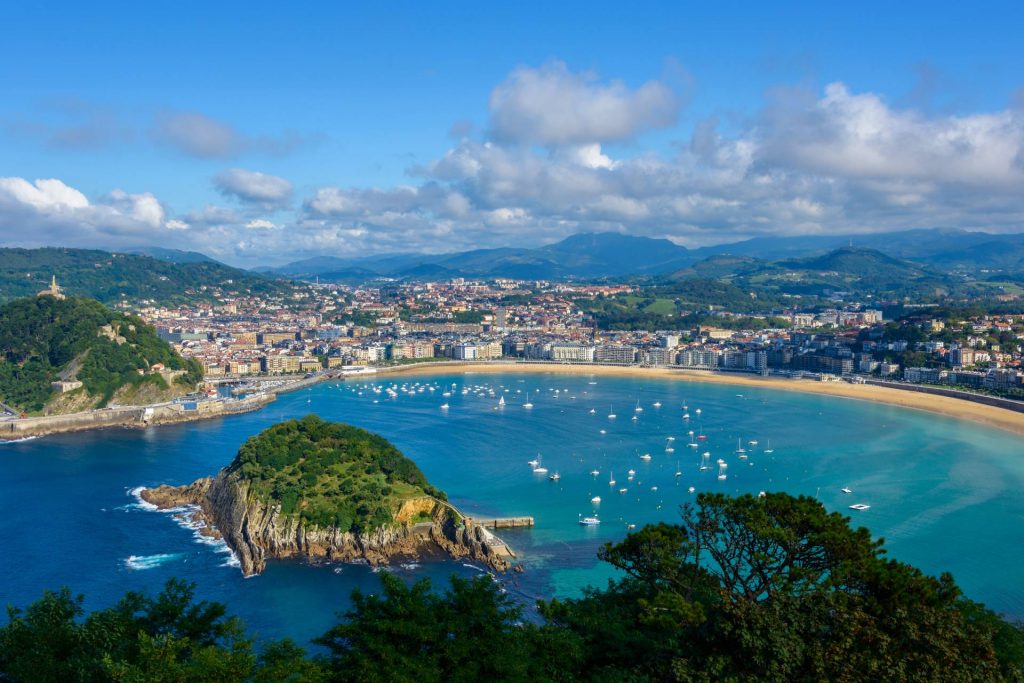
[(149, 561)]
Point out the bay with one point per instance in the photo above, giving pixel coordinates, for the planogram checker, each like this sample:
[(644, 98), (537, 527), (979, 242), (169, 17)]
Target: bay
[(944, 493)]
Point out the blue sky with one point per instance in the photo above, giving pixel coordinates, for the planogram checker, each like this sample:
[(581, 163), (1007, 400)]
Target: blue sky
[(262, 132)]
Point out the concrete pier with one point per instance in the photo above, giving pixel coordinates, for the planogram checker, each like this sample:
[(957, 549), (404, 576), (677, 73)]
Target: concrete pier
[(503, 522)]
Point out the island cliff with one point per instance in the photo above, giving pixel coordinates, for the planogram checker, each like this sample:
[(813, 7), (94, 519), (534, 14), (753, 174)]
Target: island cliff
[(315, 490)]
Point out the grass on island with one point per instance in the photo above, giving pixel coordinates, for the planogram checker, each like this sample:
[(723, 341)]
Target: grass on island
[(330, 474)]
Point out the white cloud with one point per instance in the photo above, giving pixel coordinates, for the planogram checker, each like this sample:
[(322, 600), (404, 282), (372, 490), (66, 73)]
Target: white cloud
[(253, 187), (175, 224), (50, 212), (261, 224), (552, 105)]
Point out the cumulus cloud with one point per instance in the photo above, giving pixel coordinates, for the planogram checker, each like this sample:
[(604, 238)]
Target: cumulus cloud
[(837, 161), (261, 224), (253, 187), (552, 105), (48, 212), (198, 135)]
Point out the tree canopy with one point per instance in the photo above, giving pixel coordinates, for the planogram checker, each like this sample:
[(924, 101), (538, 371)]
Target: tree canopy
[(330, 474)]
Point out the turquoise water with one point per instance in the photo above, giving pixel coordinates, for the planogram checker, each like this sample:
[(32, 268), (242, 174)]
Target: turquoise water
[(944, 493)]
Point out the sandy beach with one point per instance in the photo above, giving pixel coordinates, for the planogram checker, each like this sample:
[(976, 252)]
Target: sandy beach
[(999, 418)]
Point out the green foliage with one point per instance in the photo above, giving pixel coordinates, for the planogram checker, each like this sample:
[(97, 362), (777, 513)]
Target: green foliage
[(42, 336), (777, 589), (742, 589), (168, 638), (112, 277), (330, 474), (410, 633)]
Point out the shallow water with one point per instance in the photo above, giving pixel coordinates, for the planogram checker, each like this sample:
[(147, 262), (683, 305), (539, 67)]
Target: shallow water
[(943, 492)]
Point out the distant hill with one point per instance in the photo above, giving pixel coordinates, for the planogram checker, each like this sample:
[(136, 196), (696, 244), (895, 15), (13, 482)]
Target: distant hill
[(856, 269), (109, 277), (44, 339), (586, 255), (173, 255)]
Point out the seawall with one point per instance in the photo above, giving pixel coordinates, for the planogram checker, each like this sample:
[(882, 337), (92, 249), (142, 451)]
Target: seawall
[(135, 417)]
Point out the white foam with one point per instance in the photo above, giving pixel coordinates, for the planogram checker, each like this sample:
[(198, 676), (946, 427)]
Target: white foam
[(149, 561), (141, 504), (26, 438)]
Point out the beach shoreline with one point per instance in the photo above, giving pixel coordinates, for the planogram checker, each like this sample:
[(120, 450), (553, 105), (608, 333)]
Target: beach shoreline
[(948, 406)]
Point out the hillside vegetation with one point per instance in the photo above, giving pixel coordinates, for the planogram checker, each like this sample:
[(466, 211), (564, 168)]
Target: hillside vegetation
[(330, 474), (44, 339), (110, 277)]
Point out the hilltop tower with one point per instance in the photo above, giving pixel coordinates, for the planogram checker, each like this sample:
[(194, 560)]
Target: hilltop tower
[(54, 290)]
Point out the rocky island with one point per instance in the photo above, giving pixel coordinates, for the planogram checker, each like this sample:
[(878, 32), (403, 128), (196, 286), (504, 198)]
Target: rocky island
[(320, 490)]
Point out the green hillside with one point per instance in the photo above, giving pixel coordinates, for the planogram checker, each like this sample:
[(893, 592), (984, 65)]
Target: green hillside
[(44, 339), (110, 277), (330, 474)]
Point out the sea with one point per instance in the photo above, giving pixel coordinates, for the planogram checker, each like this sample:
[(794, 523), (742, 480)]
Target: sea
[(944, 493)]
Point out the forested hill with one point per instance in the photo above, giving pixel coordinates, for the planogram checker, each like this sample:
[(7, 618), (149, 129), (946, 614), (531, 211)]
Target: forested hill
[(109, 277), (44, 339), (331, 475)]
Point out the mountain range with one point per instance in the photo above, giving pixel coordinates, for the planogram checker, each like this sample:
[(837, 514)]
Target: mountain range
[(613, 255)]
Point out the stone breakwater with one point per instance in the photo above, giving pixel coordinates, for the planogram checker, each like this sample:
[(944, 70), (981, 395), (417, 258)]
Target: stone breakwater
[(257, 531), (129, 417)]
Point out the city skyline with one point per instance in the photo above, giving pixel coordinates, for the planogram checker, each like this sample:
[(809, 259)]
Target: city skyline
[(259, 138)]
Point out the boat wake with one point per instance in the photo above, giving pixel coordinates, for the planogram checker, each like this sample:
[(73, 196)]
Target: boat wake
[(140, 562)]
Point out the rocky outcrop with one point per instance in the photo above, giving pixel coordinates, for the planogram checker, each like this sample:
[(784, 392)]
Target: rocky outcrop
[(258, 531)]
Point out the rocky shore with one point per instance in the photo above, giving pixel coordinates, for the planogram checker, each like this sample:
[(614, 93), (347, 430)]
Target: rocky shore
[(257, 531)]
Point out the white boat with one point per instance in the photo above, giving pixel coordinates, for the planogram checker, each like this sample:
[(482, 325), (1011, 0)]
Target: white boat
[(697, 411), (527, 405), (594, 473), (611, 479), (668, 445), (592, 411), (752, 442), (603, 431), (630, 474), (686, 416), (533, 463), (611, 413), (671, 438), (638, 409), (705, 459), (645, 457), (501, 401), (721, 471), (691, 490), (769, 449), (595, 500), (538, 468), (656, 404), (635, 418), (679, 472), (555, 477), (846, 489), (444, 406), (860, 506), (622, 490), (589, 521), (654, 488), (740, 450)]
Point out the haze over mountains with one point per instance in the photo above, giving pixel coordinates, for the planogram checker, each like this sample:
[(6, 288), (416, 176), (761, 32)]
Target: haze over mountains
[(597, 255)]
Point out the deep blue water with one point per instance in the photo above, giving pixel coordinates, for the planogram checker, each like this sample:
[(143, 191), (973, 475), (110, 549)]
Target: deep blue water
[(945, 493)]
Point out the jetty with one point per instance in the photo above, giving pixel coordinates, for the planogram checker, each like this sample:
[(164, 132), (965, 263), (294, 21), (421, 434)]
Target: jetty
[(502, 522)]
